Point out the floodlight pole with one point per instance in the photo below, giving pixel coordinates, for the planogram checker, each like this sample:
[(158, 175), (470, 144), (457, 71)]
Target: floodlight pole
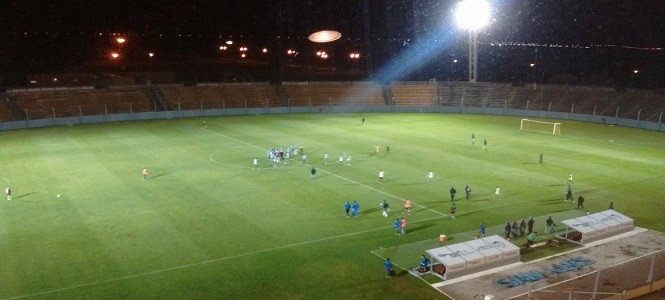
[(473, 55)]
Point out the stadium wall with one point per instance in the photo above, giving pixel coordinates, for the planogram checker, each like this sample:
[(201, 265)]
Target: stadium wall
[(156, 115)]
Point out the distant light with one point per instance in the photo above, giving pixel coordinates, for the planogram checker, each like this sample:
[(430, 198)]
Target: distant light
[(229, 42), (454, 61), (115, 55), (472, 14), (33, 81), (243, 55), (354, 55), (242, 49), (223, 47), (120, 40), (325, 36), (636, 71), (291, 52), (151, 54), (55, 79), (532, 65), (264, 50)]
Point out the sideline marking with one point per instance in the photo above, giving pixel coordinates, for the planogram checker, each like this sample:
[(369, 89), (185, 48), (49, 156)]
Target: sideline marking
[(209, 261)]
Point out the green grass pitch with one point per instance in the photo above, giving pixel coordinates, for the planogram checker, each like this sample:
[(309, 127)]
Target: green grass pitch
[(205, 225)]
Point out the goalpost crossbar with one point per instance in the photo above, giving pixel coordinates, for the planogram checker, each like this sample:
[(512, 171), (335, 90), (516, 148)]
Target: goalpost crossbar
[(556, 127)]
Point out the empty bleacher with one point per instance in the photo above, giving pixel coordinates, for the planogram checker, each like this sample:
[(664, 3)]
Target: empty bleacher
[(43, 104), (5, 109), (324, 94), (414, 94), (221, 96)]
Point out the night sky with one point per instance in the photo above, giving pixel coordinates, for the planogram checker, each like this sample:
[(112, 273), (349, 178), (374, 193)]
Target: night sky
[(603, 37)]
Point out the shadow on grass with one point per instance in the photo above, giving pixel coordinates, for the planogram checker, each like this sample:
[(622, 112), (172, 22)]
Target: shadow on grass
[(158, 175), (369, 211), (25, 195), (421, 227)]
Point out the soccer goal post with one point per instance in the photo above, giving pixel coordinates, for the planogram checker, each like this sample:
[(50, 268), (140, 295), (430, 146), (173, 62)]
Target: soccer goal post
[(535, 125)]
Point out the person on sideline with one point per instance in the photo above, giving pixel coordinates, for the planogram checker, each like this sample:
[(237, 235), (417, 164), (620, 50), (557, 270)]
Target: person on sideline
[(389, 267)]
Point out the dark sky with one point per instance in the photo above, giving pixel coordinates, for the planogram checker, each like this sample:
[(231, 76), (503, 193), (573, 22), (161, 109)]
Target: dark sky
[(64, 33)]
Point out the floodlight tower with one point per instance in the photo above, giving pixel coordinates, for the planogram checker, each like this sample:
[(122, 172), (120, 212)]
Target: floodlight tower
[(472, 15)]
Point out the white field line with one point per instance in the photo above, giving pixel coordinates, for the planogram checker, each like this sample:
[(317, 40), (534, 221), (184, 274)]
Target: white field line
[(73, 287), (340, 177)]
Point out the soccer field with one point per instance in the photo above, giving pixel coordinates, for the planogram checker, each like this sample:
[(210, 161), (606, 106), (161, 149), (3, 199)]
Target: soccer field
[(204, 224)]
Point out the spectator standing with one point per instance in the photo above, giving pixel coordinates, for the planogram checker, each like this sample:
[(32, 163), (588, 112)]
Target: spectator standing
[(514, 229), (550, 225), (529, 225), (522, 228), (467, 191), (611, 205), (506, 230), (531, 238), (452, 193)]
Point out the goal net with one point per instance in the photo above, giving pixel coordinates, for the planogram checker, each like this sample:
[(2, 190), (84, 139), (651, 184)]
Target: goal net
[(542, 126)]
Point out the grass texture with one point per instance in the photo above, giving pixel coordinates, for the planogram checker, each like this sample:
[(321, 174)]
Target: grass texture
[(205, 225)]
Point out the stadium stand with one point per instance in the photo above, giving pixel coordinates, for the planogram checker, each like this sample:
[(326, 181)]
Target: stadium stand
[(343, 93), (220, 96), (43, 104), (415, 94), (5, 109), (85, 101)]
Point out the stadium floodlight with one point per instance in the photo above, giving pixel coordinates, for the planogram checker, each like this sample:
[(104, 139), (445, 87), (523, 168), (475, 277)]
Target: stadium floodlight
[(325, 36), (473, 15)]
